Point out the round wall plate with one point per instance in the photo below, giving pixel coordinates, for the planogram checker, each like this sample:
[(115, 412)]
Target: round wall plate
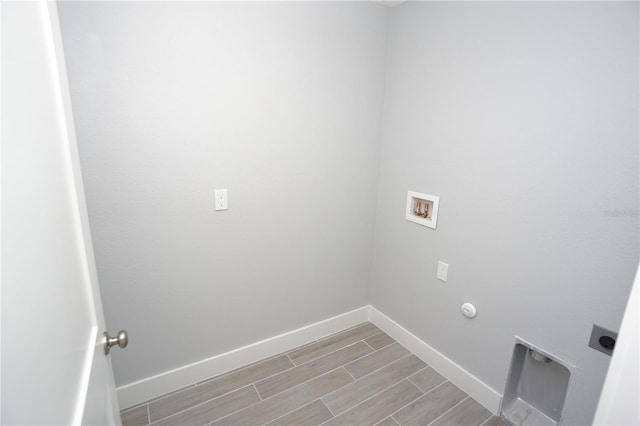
[(468, 310)]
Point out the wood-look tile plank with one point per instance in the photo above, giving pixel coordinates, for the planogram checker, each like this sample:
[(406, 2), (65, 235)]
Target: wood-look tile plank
[(427, 379), (379, 341), (137, 416), (213, 409), (356, 392), (431, 406), (173, 391), (310, 415), (387, 422), (329, 344), (279, 405), (215, 387), (293, 377), (495, 421), (260, 368), (378, 407), (376, 360), (468, 413)]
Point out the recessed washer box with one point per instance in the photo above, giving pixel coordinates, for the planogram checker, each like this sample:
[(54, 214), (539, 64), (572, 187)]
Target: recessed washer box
[(422, 208)]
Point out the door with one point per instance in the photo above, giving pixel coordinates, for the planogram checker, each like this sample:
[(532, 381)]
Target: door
[(54, 369), (621, 392)]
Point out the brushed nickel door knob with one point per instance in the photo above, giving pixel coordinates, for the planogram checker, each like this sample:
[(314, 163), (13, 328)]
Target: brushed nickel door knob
[(122, 339)]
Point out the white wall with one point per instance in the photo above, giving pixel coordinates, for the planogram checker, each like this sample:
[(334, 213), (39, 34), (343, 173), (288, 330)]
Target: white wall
[(523, 118), (281, 104)]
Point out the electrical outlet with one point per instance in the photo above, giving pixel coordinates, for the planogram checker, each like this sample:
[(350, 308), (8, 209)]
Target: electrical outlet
[(443, 271), (602, 340), (221, 199)]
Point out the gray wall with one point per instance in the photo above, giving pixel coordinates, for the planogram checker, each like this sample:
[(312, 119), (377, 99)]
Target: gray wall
[(523, 118), (281, 104)]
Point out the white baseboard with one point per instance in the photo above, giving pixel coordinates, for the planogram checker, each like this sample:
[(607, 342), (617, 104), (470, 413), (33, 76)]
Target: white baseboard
[(457, 375), (160, 384)]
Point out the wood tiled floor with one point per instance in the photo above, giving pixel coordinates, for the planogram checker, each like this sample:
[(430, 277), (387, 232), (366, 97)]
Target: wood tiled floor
[(359, 376)]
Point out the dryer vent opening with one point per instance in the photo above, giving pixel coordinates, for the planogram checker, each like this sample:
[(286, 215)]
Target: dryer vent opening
[(536, 387)]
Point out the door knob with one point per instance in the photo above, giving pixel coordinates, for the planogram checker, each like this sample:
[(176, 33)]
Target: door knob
[(122, 339)]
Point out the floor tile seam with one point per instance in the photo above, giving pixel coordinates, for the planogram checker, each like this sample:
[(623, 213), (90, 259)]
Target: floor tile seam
[(490, 413), (166, 395), (194, 385), (339, 349), (133, 407), (420, 371), (372, 353), (381, 347), (223, 375), (290, 360), (489, 418), (197, 405), (386, 365), (356, 380), (227, 374), (256, 389), (329, 353), (328, 420), (191, 406), (221, 395), (421, 396), (235, 412), (388, 344), (403, 407), (296, 366), (245, 384), (308, 380), (445, 413), (416, 385), (390, 415), (376, 394), (372, 348), (320, 374), (333, 415), (335, 334), (254, 383), (244, 367), (295, 409), (381, 332), (324, 338), (267, 399), (219, 376), (434, 388)]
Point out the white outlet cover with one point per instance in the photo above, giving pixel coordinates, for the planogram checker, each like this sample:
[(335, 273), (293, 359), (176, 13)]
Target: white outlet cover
[(443, 271), (221, 200)]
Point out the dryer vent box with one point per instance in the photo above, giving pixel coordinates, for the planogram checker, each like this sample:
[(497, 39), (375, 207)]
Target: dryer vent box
[(536, 387)]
